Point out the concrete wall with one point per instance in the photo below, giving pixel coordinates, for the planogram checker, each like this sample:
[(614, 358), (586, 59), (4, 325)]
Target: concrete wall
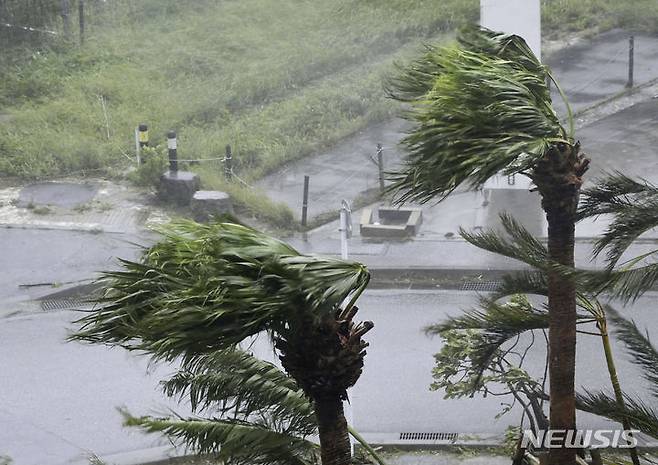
[(520, 17)]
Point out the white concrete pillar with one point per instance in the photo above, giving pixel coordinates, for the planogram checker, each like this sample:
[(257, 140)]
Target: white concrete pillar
[(520, 17)]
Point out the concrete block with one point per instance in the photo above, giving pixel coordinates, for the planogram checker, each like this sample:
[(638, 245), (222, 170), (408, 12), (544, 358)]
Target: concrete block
[(393, 222), (206, 204), (178, 187)]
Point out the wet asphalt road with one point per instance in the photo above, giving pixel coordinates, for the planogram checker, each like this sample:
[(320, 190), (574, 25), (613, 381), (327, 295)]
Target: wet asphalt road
[(60, 398)]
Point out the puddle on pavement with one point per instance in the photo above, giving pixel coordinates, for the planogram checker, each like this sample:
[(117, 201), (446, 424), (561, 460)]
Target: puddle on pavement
[(58, 194)]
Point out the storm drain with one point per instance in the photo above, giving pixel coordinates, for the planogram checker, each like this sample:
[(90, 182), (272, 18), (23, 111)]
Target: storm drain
[(428, 437), (64, 304), (481, 286)]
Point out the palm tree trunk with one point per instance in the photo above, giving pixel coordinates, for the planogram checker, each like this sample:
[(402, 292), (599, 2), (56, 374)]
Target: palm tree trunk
[(334, 435), (558, 176), (614, 379), (562, 327)]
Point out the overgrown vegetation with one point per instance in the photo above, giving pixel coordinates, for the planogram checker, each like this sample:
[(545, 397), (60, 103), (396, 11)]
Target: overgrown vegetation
[(276, 80), (564, 16)]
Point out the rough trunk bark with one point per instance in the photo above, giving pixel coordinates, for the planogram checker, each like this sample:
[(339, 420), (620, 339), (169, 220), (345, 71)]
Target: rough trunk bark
[(558, 176), (334, 436), (562, 330)]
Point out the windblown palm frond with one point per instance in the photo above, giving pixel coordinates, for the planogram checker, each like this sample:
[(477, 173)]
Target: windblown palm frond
[(235, 383), (204, 288), (529, 282), (640, 415), (236, 442), (253, 412), (610, 194), (480, 107), (639, 345), (520, 245), (633, 205)]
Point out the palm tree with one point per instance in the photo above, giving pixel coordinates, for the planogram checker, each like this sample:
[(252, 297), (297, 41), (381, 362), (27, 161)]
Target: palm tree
[(206, 288), (480, 108), (501, 322)]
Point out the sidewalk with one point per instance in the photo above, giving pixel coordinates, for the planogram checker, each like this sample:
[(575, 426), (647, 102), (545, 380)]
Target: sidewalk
[(589, 72)]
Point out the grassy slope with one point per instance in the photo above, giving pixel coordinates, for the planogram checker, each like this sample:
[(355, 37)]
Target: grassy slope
[(560, 16), (277, 80)]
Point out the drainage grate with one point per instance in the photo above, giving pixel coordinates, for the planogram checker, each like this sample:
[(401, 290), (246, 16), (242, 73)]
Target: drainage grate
[(64, 304), (428, 437), (481, 286)]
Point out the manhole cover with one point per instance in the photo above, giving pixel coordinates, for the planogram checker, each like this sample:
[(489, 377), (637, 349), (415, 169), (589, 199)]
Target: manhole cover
[(427, 436), (58, 194), (65, 304), (481, 286)]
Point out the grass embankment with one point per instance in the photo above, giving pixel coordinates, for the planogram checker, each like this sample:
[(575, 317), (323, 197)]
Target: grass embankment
[(276, 80), (567, 16)]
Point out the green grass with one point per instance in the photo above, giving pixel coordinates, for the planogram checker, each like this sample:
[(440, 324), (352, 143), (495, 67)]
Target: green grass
[(568, 16), (276, 80)]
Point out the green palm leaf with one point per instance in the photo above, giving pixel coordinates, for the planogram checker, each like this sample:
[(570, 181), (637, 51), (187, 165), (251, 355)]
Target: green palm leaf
[(479, 108), (639, 345), (640, 415), (237, 442), (522, 282), (633, 205), (519, 243), (235, 383), (204, 288)]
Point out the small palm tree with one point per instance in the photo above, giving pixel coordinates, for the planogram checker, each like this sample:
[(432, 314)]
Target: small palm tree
[(636, 410), (206, 288), (480, 108), (501, 322)]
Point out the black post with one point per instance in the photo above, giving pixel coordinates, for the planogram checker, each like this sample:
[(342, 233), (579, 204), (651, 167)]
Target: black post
[(143, 139), (228, 164), (380, 163), (305, 202), (81, 15), (143, 135), (66, 17), (631, 60), (172, 145)]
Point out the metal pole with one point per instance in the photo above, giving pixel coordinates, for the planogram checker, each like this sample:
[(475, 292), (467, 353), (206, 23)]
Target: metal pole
[(66, 17), (631, 60), (228, 164), (380, 164), (137, 146), (343, 234), (305, 201), (172, 145), (345, 228), (81, 15)]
